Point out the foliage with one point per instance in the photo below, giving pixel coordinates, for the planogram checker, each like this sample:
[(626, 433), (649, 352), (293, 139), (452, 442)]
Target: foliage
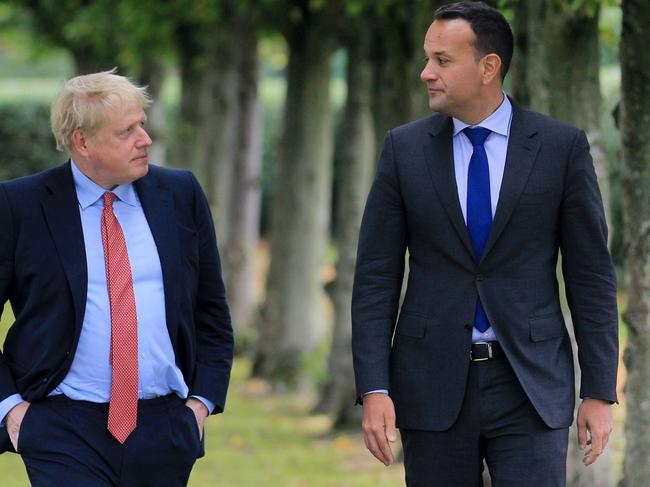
[(26, 141)]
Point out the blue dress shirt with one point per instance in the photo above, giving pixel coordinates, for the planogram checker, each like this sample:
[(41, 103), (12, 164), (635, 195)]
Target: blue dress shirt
[(89, 377)]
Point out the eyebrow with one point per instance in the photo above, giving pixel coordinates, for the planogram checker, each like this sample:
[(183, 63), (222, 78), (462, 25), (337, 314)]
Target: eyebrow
[(137, 122), (437, 53)]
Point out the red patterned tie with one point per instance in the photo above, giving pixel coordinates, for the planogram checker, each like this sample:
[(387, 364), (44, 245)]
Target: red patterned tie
[(123, 407)]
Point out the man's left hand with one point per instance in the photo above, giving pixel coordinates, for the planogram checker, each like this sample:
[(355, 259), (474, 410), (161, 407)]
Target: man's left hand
[(200, 412), (594, 418)]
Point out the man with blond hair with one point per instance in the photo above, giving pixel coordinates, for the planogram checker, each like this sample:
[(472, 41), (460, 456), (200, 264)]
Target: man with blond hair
[(122, 343)]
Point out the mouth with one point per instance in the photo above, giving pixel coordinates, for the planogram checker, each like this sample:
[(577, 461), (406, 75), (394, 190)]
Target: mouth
[(142, 158)]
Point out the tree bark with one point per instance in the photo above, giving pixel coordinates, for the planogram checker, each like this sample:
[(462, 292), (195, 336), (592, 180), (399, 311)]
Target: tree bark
[(152, 75), (245, 193), (398, 58), (355, 163), (519, 70), (220, 134), (292, 315), (191, 64), (635, 131)]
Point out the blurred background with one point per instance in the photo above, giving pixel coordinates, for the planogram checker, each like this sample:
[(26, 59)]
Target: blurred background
[(280, 107)]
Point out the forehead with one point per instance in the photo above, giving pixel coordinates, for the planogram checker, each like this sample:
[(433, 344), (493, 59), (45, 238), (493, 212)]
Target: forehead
[(455, 35)]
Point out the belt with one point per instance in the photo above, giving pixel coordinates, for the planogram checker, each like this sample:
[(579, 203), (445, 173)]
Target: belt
[(485, 351)]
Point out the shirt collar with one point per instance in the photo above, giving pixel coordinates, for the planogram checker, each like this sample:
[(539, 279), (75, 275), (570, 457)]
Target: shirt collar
[(88, 191), (498, 121)]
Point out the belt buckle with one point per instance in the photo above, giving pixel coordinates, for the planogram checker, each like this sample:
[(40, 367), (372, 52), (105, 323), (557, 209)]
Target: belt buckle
[(489, 349)]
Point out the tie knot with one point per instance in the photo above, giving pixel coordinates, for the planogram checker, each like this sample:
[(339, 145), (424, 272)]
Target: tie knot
[(109, 197), (477, 135)]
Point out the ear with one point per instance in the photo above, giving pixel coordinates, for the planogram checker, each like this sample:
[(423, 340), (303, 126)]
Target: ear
[(491, 68), (79, 142)]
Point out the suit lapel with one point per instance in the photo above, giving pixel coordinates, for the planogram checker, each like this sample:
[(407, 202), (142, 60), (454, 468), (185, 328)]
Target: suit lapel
[(61, 210), (520, 159), (158, 206), (438, 153)]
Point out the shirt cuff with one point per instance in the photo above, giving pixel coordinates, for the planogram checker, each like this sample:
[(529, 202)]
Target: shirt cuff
[(377, 391), (208, 404), (7, 404)]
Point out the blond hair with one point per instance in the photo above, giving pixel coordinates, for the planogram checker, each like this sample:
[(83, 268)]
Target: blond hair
[(85, 100)]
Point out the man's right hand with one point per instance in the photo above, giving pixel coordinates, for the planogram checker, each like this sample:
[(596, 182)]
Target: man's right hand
[(379, 426), (14, 419)]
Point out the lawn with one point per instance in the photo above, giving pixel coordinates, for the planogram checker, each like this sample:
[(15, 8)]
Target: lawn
[(265, 441)]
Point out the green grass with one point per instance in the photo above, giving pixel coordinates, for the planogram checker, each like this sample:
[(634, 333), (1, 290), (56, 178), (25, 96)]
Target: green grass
[(264, 441)]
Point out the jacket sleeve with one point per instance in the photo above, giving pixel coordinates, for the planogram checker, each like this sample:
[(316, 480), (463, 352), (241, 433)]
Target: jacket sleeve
[(378, 276), (7, 385), (214, 336), (589, 275)]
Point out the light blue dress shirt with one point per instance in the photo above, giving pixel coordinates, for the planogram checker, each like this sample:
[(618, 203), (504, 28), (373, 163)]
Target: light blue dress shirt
[(89, 377)]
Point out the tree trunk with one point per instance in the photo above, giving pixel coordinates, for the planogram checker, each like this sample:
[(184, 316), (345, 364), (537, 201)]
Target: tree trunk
[(519, 69), (191, 63), (220, 134), (152, 75), (292, 315), (244, 208), (398, 58), (219, 117), (356, 161), (635, 131)]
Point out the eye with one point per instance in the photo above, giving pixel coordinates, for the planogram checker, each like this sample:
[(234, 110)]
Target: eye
[(442, 61)]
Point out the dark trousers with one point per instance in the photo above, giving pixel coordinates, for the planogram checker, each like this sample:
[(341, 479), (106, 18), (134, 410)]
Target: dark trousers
[(498, 424), (65, 443)]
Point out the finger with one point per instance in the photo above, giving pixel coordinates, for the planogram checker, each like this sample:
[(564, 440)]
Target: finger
[(597, 443), (384, 447), (582, 435), (590, 458), (391, 433), (373, 447)]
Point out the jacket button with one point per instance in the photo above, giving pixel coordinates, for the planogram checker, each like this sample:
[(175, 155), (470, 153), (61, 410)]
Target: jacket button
[(44, 380), (468, 326), (480, 277)]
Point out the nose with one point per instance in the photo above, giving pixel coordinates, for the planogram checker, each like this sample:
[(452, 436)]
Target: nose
[(428, 73), (145, 140)]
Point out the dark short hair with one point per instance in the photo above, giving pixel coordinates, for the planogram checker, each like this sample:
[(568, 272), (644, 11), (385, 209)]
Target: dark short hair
[(492, 31)]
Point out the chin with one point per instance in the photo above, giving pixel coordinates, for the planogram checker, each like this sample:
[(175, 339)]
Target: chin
[(436, 104), (139, 172), (437, 107)]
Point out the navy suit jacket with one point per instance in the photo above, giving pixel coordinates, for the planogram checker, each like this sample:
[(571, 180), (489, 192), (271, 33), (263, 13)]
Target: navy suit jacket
[(43, 274), (549, 203)]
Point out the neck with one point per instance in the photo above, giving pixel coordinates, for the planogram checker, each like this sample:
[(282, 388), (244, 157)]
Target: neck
[(86, 168), (484, 107)]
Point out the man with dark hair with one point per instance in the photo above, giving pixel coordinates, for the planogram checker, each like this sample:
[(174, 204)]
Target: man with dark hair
[(484, 195)]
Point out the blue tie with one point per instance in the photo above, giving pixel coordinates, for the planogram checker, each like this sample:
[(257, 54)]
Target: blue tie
[(479, 206)]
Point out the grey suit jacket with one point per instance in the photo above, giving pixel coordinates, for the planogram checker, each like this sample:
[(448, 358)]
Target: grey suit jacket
[(549, 203)]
